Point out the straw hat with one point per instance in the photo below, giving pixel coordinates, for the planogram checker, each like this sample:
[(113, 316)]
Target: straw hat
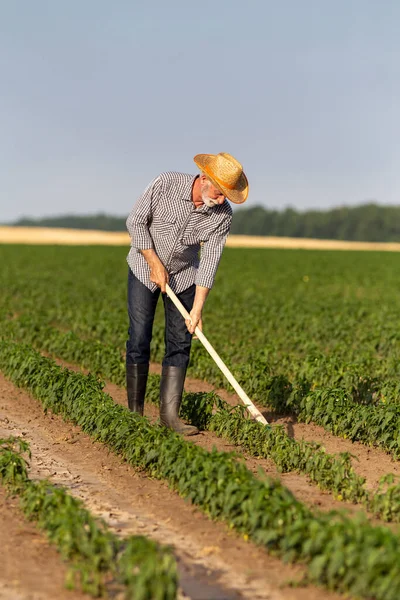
[(226, 173)]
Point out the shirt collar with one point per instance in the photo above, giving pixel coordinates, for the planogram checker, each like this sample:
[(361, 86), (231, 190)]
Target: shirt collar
[(187, 192), (206, 209)]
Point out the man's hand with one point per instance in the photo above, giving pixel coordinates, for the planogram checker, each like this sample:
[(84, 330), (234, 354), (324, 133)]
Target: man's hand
[(158, 273), (194, 321), (159, 276), (197, 309)]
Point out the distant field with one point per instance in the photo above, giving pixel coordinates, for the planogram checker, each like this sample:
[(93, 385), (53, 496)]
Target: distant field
[(75, 237)]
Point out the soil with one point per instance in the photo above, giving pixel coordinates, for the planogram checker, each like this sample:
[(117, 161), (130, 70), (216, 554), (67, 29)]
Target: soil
[(214, 562), (31, 569), (369, 462)]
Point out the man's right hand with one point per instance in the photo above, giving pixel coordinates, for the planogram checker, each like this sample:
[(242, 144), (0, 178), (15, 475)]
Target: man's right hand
[(158, 273), (159, 276)]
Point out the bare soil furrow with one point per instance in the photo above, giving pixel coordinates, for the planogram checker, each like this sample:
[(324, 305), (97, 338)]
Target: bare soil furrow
[(31, 568), (215, 560)]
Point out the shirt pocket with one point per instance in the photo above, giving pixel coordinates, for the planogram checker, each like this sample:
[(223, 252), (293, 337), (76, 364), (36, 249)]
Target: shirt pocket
[(198, 235), (163, 222), (190, 238)]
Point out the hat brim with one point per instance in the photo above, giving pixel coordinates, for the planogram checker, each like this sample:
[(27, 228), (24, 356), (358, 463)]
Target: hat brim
[(237, 195)]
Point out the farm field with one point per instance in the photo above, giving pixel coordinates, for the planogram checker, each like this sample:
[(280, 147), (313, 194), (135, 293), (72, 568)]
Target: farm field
[(312, 337), (77, 237)]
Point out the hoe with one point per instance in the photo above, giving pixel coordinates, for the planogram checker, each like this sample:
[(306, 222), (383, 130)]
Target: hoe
[(253, 410)]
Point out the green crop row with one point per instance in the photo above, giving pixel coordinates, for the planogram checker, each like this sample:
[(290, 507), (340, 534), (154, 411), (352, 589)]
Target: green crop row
[(318, 317), (334, 473), (330, 472), (302, 387), (316, 325), (340, 553), (101, 564), (334, 410)]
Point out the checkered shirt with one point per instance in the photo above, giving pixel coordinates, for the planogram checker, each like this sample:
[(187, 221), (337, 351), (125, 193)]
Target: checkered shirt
[(188, 241)]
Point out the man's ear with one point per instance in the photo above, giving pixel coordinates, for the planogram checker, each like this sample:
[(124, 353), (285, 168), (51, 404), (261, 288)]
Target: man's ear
[(203, 178)]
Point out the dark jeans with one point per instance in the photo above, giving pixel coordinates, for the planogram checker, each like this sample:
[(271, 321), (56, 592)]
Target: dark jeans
[(141, 309)]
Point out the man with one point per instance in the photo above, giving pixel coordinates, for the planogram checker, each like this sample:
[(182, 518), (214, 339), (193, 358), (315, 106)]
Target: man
[(176, 216)]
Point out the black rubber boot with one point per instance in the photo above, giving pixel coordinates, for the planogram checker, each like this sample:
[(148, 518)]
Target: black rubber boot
[(136, 380), (171, 390)]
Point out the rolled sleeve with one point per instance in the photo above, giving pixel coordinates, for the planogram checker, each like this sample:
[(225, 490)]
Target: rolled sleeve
[(211, 255), (139, 218)]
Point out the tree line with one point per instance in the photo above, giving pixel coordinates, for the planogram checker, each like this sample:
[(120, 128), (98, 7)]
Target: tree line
[(367, 222)]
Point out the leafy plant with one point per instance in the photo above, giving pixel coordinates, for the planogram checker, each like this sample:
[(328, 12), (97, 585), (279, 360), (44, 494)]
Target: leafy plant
[(100, 563), (349, 555)]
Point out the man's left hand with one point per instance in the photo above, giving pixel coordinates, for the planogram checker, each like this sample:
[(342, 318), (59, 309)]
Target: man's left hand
[(194, 321)]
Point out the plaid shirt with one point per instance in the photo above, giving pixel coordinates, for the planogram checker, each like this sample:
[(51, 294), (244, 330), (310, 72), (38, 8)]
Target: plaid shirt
[(165, 219)]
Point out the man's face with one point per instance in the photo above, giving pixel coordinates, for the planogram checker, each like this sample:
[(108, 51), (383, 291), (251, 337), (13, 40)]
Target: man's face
[(210, 194)]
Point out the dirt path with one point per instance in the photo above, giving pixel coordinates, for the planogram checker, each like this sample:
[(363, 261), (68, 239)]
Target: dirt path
[(215, 563), (31, 568)]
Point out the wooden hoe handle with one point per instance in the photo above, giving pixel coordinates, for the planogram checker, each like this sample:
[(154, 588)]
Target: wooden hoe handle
[(238, 389)]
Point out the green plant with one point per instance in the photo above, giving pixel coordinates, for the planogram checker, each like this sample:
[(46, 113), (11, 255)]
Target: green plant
[(99, 562), (348, 555)]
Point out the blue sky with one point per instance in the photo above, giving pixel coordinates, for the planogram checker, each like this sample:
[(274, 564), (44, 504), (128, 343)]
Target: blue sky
[(98, 97)]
